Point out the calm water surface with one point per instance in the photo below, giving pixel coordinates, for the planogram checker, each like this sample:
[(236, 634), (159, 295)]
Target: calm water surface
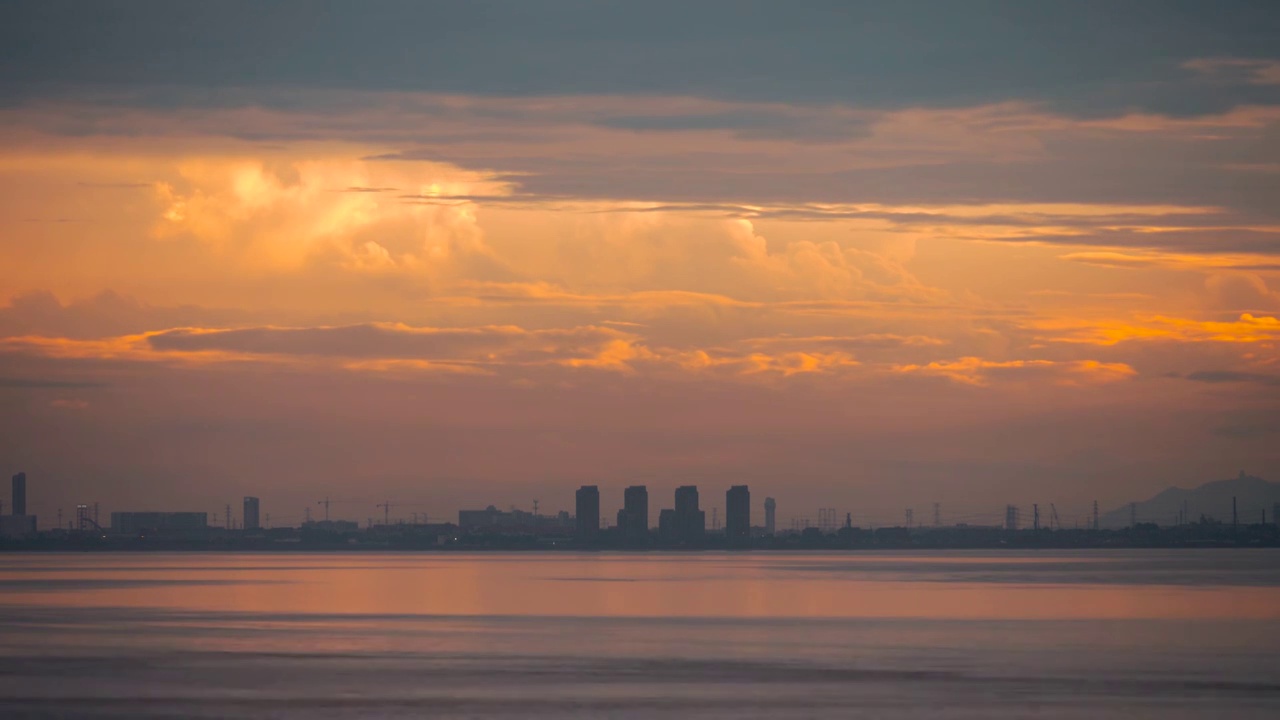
[(1158, 634)]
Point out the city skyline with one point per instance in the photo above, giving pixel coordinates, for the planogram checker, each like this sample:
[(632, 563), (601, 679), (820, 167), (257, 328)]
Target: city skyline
[(668, 359), (688, 519), (467, 258)]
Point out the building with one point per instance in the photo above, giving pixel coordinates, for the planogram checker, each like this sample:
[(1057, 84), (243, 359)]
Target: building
[(690, 521), (488, 517), (770, 515), (587, 508), (16, 527), (667, 526), (634, 518), (340, 527), (166, 523), (737, 513), (250, 517), (19, 506)]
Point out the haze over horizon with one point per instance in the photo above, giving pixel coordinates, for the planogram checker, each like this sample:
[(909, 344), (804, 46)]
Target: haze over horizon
[(851, 255)]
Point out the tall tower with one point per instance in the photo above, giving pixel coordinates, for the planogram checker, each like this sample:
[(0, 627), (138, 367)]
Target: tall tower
[(1010, 517), (251, 514), (737, 511), (587, 502), (19, 494), (770, 515), (691, 522), (635, 508)]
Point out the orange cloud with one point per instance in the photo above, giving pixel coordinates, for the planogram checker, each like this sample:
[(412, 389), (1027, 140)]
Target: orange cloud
[(1247, 329), (977, 371)]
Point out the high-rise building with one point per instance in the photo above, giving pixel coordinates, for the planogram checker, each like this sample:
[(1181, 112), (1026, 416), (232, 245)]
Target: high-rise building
[(686, 498), (691, 523), (667, 526), (737, 513), (587, 502), (250, 516), (635, 513), (770, 515), (19, 506)]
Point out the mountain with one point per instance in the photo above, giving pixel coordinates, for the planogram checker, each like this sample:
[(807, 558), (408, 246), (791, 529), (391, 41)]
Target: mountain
[(1213, 500)]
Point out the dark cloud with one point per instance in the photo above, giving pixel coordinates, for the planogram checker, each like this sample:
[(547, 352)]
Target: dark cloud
[(748, 124), (373, 341), (116, 186), (1232, 376), (103, 315), (1090, 57), (42, 383)]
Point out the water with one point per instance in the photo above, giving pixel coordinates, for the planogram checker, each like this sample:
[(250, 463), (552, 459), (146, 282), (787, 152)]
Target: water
[(1158, 634)]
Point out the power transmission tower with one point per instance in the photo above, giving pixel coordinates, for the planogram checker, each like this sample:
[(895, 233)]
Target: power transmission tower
[(910, 516), (1095, 516), (937, 514), (1035, 517)]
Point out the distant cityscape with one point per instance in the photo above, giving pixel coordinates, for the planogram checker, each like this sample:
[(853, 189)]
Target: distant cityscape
[(684, 525)]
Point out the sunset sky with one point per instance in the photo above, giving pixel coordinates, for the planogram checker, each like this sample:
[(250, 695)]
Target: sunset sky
[(862, 256)]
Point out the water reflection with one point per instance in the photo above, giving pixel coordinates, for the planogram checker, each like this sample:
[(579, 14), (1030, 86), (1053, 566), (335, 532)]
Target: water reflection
[(975, 635), (1131, 585)]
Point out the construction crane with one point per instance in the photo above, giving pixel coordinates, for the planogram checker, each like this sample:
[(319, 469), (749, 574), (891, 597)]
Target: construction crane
[(327, 501)]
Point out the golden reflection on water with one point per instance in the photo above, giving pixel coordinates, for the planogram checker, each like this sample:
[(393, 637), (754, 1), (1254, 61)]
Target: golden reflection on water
[(631, 585)]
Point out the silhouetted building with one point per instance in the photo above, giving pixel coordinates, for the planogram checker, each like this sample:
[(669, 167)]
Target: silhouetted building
[(19, 506), (690, 522), (770, 515), (250, 517), (338, 527), (587, 509), (737, 513), (491, 517), (667, 526), (137, 523), (16, 527), (634, 518)]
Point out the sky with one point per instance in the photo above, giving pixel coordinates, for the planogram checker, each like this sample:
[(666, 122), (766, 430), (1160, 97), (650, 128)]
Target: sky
[(866, 256)]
